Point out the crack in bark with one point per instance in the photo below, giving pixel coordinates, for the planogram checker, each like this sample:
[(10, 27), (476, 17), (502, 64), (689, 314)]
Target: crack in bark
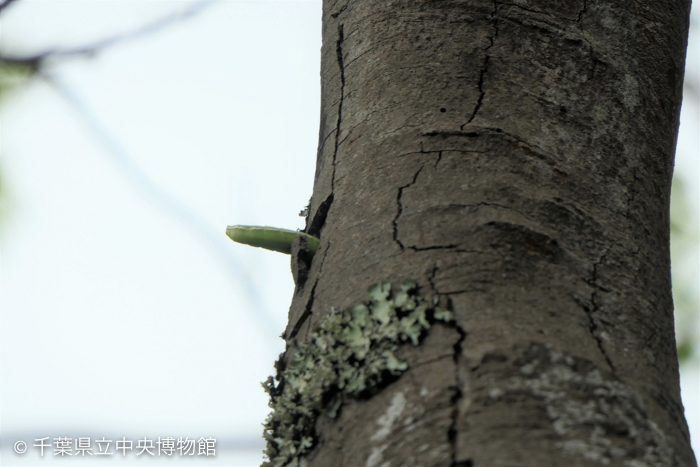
[(458, 393), (305, 315), (341, 66), (319, 219), (452, 431), (309, 305), (417, 152), (394, 224), (593, 327), (323, 143), (468, 134), (431, 278), (341, 10), (435, 247), (461, 291), (580, 14), (484, 67)]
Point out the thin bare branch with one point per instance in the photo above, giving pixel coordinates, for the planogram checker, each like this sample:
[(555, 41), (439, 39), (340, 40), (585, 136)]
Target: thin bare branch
[(6, 3), (91, 50), (212, 238)]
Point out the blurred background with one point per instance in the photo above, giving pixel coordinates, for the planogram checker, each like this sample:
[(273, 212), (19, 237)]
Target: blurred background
[(124, 309)]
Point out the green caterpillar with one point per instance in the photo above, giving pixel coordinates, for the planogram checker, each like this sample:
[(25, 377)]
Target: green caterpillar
[(270, 238)]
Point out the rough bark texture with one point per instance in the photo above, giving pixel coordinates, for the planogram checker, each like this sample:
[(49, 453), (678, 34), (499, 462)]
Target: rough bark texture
[(516, 158)]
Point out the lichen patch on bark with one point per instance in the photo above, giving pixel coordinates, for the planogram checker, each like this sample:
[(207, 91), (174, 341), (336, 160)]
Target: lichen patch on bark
[(595, 417), (351, 354)]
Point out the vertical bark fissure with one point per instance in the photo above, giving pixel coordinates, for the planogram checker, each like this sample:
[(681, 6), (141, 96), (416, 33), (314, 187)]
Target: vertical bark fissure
[(304, 316), (319, 218), (438, 159), (457, 396), (310, 303), (452, 432), (431, 278), (593, 326), (484, 67), (581, 13), (394, 223), (341, 67)]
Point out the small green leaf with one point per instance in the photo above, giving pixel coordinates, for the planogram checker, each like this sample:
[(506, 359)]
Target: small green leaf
[(269, 238)]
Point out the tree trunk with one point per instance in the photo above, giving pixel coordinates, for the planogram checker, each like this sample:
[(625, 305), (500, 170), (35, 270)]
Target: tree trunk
[(515, 160)]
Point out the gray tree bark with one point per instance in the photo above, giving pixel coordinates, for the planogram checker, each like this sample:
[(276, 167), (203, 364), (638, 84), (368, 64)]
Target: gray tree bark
[(514, 159)]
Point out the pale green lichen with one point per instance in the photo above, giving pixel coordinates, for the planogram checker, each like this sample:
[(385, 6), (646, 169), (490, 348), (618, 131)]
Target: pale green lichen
[(351, 354)]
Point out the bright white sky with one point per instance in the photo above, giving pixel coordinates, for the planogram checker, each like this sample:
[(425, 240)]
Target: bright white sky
[(124, 312)]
